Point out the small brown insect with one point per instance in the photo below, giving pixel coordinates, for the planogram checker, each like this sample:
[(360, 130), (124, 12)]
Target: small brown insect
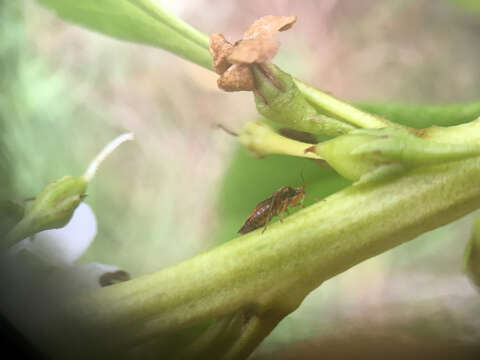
[(275, 205)]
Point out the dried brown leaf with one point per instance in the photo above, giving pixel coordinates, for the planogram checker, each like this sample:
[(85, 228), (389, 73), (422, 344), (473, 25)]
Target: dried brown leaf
[(220, 50), (237, 78), (268, 26), (259, 50), (232, 61)]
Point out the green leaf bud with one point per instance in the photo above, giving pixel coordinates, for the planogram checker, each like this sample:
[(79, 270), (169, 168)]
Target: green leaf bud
[(278, 99), (52, 208)]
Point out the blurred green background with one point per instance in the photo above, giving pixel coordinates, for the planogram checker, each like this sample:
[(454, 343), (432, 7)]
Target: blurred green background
[(184, 186)]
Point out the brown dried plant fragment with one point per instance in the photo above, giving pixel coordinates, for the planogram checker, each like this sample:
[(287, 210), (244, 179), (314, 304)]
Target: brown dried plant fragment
[(251, 51), (238, 77), (268, 26), (220, 50), (256, 47)]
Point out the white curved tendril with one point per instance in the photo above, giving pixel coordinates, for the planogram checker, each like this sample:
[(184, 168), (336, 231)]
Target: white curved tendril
[(107, 150)]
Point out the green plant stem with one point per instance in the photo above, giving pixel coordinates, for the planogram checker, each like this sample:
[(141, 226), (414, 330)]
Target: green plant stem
[(146, 22), (177, 24), (141, 21), (285, 262), (422, 116), (338, 109), (468, 133)]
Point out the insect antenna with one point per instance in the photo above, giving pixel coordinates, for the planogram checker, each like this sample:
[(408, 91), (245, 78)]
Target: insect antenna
[(303, 188)]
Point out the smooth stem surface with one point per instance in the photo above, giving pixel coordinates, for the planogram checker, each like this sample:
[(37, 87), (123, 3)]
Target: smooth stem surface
[(285, 262), (468, 133), (338, 109), (175, 23)]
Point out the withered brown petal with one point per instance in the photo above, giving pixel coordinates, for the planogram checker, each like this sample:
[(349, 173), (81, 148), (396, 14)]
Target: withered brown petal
[(220, 50), (258, 50), (268, 26), (237, 78)]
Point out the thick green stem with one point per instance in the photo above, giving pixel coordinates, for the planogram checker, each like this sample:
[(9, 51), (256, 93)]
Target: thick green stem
[(286, 261)]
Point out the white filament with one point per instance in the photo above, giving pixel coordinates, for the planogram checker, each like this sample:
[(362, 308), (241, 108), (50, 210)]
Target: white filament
[(107, 150)]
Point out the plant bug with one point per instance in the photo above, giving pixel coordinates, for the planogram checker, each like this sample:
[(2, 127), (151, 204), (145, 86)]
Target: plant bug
[(275, 205)]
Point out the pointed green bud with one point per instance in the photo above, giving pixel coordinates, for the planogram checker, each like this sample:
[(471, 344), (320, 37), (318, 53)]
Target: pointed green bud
[(52, 208), (373, 151), (278, 99), (471, 260)]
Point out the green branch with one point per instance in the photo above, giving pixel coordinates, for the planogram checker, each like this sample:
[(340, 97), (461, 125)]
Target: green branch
[(146, 22), (340, 110), (422, 116), (140, 21), (270, 272), (283, 264)]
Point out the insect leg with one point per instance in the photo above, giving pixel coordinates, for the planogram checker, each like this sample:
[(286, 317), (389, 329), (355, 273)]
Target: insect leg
[(266, 223), (283, 209)]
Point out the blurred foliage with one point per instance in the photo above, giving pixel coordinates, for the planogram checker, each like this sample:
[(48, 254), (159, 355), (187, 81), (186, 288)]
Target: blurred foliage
[(138, 21), (471, 5), (36, 116), (471, 260), (10, 214), (46, 132), (9, 28)]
